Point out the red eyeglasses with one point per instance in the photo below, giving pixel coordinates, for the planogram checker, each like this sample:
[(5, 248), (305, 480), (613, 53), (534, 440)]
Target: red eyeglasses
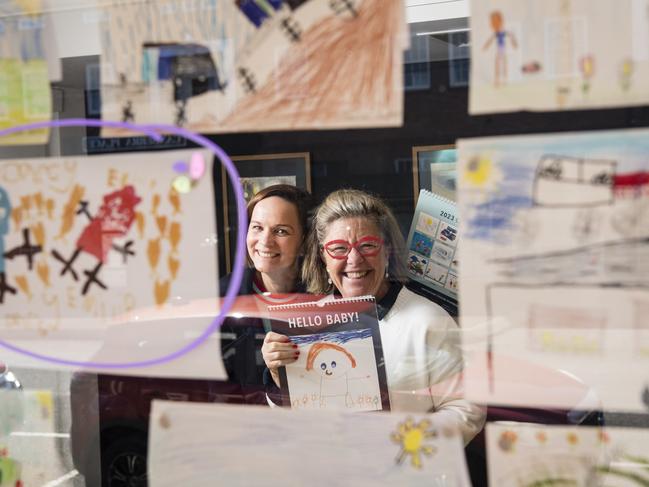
[(366, 246)]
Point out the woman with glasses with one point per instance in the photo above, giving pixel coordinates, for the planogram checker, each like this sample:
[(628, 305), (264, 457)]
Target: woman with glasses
[(355, 248)]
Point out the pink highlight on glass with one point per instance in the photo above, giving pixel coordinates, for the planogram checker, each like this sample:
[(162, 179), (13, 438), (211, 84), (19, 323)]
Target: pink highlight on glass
[(196, 166)]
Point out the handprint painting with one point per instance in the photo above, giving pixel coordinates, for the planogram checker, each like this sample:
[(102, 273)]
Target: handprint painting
[(335, 370)]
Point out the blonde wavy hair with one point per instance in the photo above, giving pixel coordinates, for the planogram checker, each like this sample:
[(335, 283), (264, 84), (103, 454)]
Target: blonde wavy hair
[(351, 203)]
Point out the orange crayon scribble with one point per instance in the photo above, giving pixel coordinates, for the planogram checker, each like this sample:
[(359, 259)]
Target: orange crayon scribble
[(26, 202), (43, 272), (38, 202), (70, 210), (360, 52), (175, 234), (49, 207), (161, 292), (155, 202), (161, 221), (44, 329), (17, 216), (174, 199), (39, 233), (153, 252), (23, 284), (174, 265), (139, 222)]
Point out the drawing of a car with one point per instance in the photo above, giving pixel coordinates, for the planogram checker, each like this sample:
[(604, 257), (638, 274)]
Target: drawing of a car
[(449, 232), (189, 67)]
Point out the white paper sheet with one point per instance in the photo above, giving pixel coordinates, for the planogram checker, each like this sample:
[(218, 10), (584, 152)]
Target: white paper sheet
[(554, 275), (102, 261), (28, 62), (31, 442), (558, 54), (526, 454), (196, 444)]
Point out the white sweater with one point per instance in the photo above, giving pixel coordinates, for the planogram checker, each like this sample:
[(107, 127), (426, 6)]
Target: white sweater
[(423, 362)]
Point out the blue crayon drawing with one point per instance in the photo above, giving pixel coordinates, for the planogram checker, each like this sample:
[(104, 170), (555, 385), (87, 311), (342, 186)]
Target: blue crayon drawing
[(5, 214)]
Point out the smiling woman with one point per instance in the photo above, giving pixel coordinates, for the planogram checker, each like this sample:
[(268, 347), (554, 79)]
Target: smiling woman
[(276, 232), (274, 240)]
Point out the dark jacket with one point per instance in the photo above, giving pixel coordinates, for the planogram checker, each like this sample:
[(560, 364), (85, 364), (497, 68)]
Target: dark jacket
[(242, 338), (246, 283)]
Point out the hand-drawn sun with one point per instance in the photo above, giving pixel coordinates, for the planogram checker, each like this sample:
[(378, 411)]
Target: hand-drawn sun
[(478, 170), (411, 437)]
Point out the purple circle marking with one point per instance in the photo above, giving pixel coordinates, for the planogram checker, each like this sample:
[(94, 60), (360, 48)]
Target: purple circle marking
[(154, 132)]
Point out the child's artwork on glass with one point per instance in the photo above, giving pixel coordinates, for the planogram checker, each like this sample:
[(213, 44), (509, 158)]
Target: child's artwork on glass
[(533, 455), (326, 447), (558, 54), (28, 62), (555, 269), (252, 65), (97, 255), (23, 463), (340, 365)]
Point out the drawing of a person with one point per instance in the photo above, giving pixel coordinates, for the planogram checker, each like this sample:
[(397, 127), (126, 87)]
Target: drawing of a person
[(333, 363), (500, 36)]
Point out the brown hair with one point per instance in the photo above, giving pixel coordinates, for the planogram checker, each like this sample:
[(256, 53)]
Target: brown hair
[(316, 348), (301, 199)]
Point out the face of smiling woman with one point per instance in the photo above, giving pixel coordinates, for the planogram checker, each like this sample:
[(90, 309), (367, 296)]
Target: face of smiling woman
[(356, 274), (274, 238)]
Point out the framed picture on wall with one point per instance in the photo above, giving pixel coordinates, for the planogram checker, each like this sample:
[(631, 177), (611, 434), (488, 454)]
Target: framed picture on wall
[(256, 173), (433, 169)]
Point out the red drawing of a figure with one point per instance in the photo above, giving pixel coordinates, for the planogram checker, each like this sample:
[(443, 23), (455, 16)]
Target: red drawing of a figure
[(500, 35), (113, 220)]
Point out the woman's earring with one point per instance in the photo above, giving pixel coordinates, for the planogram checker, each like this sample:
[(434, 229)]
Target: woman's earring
[(387, 273), (328, 277)]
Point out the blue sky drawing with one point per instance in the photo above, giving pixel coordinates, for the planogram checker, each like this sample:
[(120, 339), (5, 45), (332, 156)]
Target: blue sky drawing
[(338, 337), (492, 219)]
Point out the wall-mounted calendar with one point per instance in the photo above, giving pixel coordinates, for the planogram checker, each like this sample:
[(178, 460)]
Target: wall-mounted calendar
[(432, 247)]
